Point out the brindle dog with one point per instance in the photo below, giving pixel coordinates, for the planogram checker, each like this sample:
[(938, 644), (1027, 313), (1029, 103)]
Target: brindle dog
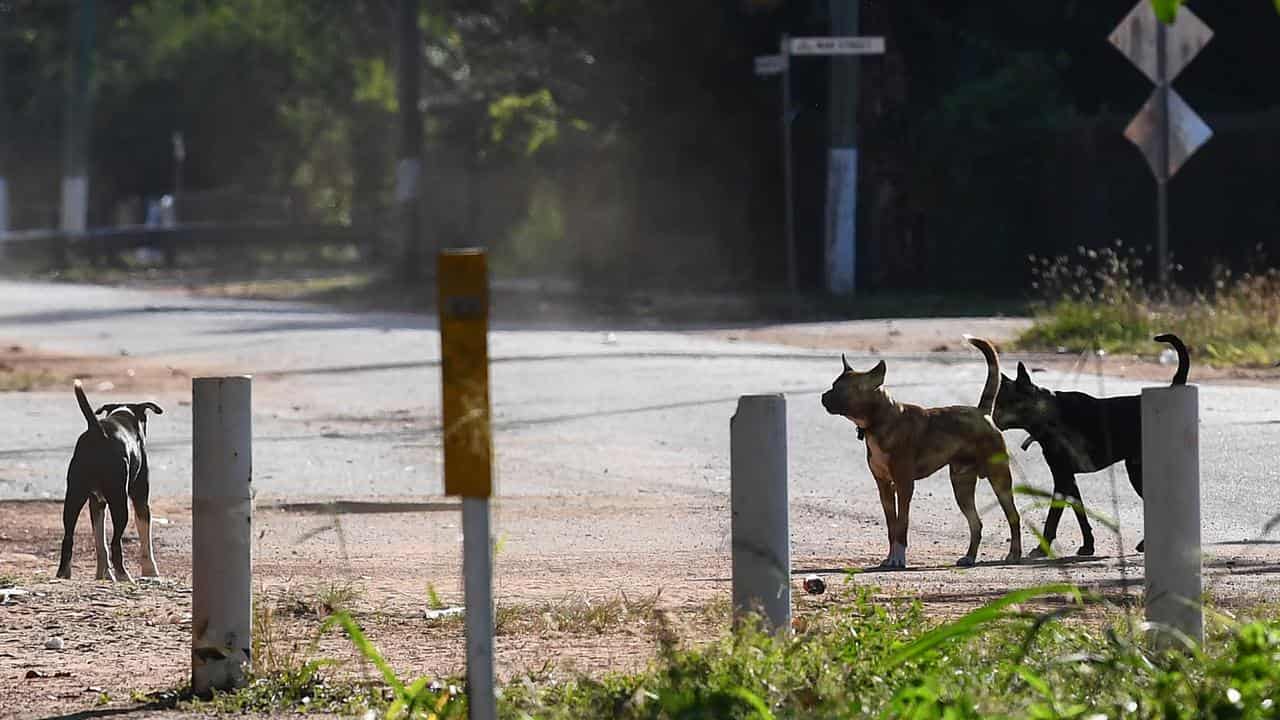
[(907, 442)]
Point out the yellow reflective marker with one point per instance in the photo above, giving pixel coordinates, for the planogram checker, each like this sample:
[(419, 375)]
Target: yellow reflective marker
[(464, 371)]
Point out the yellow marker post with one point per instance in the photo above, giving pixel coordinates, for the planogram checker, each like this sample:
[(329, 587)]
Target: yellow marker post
[(468, 452), (464, 350)]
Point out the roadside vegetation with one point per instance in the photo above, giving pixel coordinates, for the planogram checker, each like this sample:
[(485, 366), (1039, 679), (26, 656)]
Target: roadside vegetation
[(1099, 300), (1029, 654)]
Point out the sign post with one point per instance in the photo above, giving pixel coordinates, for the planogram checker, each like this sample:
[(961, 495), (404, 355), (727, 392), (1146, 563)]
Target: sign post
[(1166, 129), (468, 452), (838, 275)]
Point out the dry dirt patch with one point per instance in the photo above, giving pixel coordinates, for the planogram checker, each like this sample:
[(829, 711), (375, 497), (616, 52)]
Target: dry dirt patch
[(565, 605), (25, 369)]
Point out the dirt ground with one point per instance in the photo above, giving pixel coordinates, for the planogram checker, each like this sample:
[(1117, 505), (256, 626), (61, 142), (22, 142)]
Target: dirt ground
[(89, 646), (384, 561)]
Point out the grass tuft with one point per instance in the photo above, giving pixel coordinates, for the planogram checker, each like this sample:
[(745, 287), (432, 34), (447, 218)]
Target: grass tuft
[(1097, 299), (576, 615)]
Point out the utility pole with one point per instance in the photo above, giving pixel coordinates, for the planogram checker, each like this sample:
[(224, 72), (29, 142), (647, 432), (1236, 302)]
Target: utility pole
[(842, 157), (179, 157), (409, 169), (6, 9), (75, 167), (793, 282)]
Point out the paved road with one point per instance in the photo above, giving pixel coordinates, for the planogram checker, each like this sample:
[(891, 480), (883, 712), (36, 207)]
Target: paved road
[(348, 404)]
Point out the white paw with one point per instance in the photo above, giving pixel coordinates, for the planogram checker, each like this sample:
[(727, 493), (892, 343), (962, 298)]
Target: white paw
[(897, 557)]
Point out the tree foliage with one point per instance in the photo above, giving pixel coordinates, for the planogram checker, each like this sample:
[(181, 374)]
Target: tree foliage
[(631, 135)]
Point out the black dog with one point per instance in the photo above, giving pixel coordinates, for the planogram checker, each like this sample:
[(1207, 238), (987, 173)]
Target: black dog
[(109, 468), (1078, 433)]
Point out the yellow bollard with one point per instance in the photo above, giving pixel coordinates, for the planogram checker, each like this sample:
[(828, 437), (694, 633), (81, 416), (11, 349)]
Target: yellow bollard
[(464, 351), (468, 453)]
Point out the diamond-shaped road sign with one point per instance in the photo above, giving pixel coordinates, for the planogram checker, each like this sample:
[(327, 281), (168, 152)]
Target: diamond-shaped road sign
[(1187, 132), (1135, 36), (1138, 37)]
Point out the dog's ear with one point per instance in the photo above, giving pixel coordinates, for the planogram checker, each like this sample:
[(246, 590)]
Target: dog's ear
[(845, 362), (875, 376), (139, 407), (1024, 377), (108, 407)]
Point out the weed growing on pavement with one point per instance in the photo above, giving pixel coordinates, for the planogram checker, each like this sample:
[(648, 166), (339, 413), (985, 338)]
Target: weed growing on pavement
[(576, 615), (433, 598), (1098, 299), (323, 600)]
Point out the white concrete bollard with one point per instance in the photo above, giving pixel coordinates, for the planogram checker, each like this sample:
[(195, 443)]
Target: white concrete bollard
[(758, 499), (1171, 507), (221, 533)]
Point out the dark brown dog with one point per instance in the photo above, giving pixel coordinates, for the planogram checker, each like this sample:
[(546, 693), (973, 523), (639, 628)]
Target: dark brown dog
[(907, 442), (109, 469)]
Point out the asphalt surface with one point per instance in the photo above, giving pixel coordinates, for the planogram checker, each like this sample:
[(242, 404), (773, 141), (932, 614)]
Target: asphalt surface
[(349, 405)]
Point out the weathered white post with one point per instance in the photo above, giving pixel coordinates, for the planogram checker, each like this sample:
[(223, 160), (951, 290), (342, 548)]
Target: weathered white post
[(1171, 508), (221, 533), (758, 500)]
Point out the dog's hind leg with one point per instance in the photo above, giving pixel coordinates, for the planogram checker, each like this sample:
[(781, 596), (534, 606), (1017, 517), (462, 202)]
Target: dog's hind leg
[(964, 483), (119, 506), (1002, 484), (1072, 495), (1134, 468), (98, 517), (1066, 490), (139, 492), (71, 507)]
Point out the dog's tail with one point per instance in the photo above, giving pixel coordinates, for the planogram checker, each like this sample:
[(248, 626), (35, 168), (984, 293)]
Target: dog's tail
[(1184, 360), (988, 402), (87, 409)]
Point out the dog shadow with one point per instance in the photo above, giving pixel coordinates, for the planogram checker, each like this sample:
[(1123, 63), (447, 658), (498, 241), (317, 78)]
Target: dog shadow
[(1025, 562)]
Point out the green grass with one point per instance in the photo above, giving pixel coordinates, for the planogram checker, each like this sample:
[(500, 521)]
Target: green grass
[(1223, 332), (1026, 655), (14, 380), (1099, 300)]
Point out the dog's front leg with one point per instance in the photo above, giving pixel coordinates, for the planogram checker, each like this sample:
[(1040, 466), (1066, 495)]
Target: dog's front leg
[(894, 559), (904, 488), (97, 515)]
